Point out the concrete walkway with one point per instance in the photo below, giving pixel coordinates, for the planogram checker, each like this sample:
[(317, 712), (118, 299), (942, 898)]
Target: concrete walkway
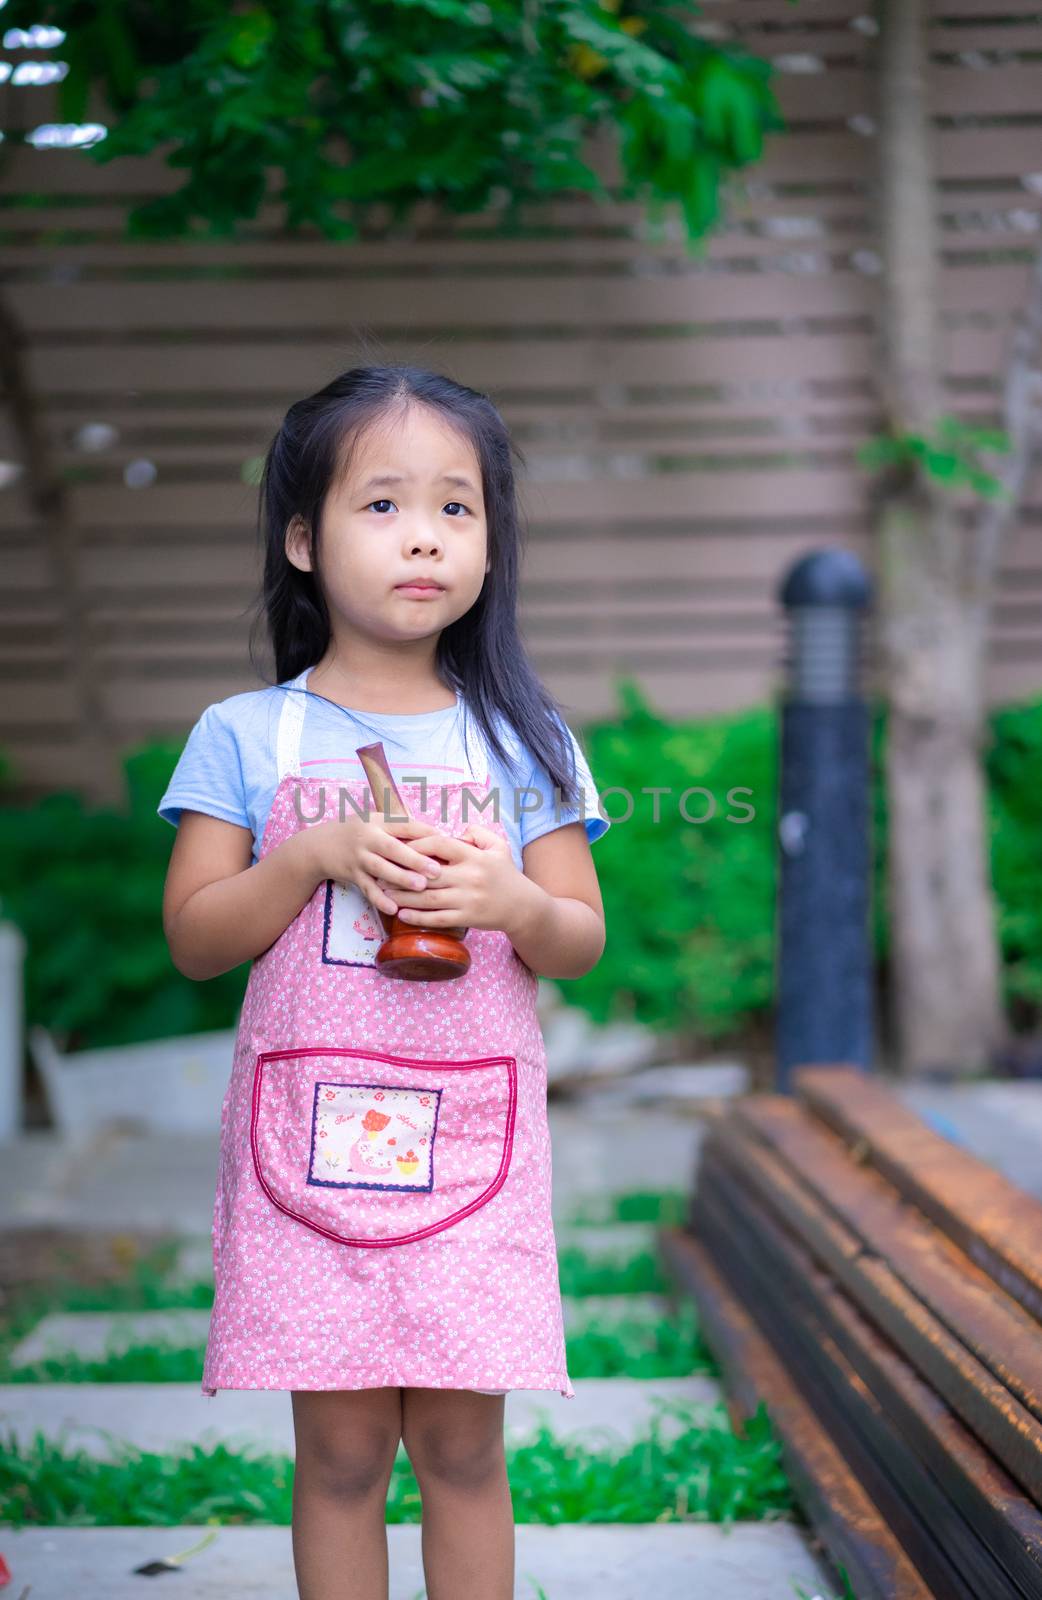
[(122, 1182), (748, 1561)]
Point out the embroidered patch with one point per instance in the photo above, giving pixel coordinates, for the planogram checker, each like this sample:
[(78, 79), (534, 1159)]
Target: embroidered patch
[(372, 1136), (352, 932)]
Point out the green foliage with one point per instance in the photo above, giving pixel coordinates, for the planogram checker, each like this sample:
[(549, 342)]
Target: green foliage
[(356, 103), (689, 905), (580, 1274), (1014, 767), (951, 457), (86, 888), (690, 908)]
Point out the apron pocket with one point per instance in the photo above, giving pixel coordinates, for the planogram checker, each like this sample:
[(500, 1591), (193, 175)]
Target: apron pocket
[(374, 1149)]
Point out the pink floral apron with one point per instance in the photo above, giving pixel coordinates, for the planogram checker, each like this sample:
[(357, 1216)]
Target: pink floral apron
[(382, 1213)]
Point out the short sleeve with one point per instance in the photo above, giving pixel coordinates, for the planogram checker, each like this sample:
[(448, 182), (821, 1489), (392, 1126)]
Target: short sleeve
[(208, 776), (549, 814)]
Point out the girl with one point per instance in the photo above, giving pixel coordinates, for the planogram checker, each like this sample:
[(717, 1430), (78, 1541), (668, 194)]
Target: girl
[(383, 1243)]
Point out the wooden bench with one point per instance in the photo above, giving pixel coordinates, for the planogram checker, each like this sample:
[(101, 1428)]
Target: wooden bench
[(880, 1290)]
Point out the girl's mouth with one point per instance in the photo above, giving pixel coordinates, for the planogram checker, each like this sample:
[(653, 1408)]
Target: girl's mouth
[(418, 591)]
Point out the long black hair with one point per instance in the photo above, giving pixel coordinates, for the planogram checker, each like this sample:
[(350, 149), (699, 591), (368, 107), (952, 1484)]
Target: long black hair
[(481, 655)]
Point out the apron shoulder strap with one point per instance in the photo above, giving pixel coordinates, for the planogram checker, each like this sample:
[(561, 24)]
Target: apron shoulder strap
[(291, 724)]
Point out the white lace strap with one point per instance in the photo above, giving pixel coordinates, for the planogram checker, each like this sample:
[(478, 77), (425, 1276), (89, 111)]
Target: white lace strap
[(291, 723)]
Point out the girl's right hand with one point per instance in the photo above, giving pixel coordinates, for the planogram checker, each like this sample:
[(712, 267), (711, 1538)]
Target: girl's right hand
[(360, 852)]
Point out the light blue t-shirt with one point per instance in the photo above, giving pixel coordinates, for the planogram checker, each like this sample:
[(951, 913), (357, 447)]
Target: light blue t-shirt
[(228, 767)]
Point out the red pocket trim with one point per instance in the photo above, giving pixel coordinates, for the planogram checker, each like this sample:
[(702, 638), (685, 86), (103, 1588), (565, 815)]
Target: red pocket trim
[(474, 1064)]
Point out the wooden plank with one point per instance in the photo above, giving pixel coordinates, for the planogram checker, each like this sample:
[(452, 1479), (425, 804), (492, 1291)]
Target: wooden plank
[(983, 12), (1010, 1430), (995, 1223), (842, 1513), (779, 367), (584, 421), (568, 222), (770, 15), (790, 156), (214, 461), (460, 302), (589, 245), (389, 303), (824, 244), (952, 90), (987, 1321), (238, 373), (1008, 1522)]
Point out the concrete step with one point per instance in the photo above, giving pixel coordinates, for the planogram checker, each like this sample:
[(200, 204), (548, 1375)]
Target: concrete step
[(604, 1310), (168, 1416), (745, 1561), (94, 1334), (618, 1240)]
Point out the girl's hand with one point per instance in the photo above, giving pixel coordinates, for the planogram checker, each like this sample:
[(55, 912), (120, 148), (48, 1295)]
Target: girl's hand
[(373, 855), (476, 889)]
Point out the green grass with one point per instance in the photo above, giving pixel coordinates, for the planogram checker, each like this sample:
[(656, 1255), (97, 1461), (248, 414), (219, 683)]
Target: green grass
[(628, 1348), (158, 1361), (581, 1274), (706, 1473)]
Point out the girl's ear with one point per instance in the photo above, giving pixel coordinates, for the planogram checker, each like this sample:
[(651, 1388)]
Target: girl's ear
[(298, 543)]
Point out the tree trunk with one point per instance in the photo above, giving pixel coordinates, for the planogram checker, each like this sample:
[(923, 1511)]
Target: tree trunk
[(944, 973)]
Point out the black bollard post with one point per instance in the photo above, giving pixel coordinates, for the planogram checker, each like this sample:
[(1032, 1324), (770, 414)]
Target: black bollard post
[(824, 989)]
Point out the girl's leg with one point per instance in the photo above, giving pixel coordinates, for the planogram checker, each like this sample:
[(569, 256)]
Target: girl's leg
[(346, 1442), (454, 1439)]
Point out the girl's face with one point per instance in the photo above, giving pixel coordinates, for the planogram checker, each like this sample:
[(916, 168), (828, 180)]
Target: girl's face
[(409, 511)]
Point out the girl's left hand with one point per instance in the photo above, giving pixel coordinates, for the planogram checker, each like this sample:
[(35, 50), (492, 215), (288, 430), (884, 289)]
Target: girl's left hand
[(476, 887)]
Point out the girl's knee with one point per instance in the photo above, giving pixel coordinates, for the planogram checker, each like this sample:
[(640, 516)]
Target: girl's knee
[(462, 1451), (345, 1448)]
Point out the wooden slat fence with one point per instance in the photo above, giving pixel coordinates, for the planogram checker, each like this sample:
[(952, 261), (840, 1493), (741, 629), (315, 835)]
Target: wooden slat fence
[(690, 423)]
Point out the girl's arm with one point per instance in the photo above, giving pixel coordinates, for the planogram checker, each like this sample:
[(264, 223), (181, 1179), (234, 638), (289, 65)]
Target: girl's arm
[(557, 927), (219, 911), (216, 913)]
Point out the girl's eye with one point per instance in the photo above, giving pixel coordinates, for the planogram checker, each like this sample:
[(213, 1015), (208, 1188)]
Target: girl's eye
[(448, 502)]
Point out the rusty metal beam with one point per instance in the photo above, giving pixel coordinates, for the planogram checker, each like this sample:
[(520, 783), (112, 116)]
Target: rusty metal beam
[(954, 1563), (840, 1510), (997, 1224), (1011, 1431), (997, 1329), (978, 1489)]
